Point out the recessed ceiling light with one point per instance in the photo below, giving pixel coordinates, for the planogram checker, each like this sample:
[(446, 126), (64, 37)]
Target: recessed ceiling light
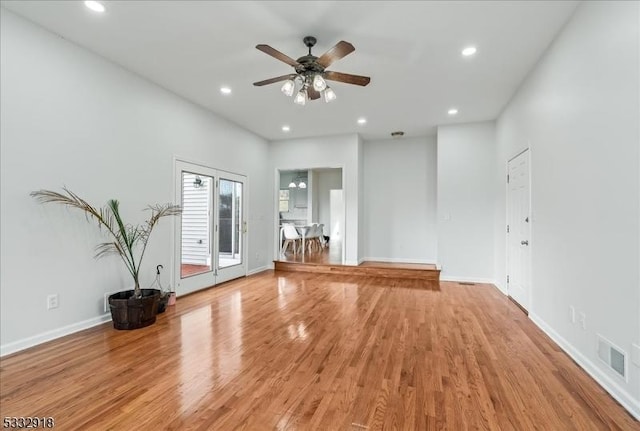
[(469, 51), (94, 6), (362, 120), (286, 128), (452, 111), (225, 90)]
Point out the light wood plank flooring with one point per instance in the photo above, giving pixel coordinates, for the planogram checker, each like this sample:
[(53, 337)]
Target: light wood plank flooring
[(314, 352), (331, 255)]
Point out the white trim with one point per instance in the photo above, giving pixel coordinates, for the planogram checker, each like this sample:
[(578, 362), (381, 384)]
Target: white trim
[(500, 288), (351, 263), (260, 269), (276, 212), (399, 260), (25, 343), (607, 383), (467, 279)]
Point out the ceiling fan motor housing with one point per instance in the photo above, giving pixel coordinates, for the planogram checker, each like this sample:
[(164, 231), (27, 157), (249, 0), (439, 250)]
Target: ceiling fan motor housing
[(308, 63)]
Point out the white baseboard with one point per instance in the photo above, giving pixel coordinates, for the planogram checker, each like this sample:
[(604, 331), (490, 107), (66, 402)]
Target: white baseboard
[(501, 288), (467, 279), (351, 262), (610, 385), (16, 346), (399, 260), (260, 269)]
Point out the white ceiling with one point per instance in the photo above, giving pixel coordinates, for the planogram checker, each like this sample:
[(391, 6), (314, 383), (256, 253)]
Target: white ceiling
[(410, 49)]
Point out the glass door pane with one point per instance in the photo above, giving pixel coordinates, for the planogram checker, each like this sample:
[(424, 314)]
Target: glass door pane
[(231, 220), (195, 255), (230, 223), (194, 261)]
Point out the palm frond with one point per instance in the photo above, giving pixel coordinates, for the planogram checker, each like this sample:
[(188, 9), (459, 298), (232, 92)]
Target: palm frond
[(157, 212), (107, 248), (126, 238)]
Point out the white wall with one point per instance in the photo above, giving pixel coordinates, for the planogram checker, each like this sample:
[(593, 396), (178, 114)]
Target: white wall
[(361, 214), (325, 152), (72, 118), (578, 111), (400, 200), (466, 201), (298, 202)]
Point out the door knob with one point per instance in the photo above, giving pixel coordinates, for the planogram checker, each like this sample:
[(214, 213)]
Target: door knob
[(524, 242)]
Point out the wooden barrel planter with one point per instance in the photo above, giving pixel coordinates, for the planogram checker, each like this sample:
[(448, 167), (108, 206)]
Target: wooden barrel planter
[(162, 303), (128, 312)]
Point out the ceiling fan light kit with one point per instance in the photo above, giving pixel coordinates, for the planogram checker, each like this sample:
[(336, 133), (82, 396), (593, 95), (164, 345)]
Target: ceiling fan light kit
[(311, 75), (288, 87)]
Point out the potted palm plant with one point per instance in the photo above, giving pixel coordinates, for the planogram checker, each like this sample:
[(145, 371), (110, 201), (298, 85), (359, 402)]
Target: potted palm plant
[(130, 309)]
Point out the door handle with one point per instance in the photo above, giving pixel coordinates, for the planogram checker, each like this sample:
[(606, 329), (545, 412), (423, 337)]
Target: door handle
[(244, 227), (525, 242)]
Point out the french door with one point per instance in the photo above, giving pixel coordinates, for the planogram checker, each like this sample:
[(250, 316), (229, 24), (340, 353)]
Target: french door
[(211, 231)]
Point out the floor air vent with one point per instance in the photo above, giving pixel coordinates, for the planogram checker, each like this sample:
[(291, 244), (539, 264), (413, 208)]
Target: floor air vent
[(466, 283), (613, 356)]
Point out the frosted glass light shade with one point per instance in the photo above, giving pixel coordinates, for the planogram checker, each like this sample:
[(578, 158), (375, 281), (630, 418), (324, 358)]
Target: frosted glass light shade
[(292, 185), (288, 87), (319, 83), (329, 95), (301, 98), (302, 185)]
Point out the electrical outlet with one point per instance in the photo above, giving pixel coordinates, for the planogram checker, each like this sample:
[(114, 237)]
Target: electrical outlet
[(52, 301), (106, 302), (257, 256), (582, 319), (572, 314)]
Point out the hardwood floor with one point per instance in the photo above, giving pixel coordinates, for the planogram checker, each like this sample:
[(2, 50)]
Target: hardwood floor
[(314, 352), (398, 265), (187, 270), (331, 254), (391, 270)]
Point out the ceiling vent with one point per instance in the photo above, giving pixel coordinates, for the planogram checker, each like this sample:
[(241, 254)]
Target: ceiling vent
[(397, 134)]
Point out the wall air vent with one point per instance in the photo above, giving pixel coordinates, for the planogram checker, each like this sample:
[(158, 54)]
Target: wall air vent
[(613, 356)]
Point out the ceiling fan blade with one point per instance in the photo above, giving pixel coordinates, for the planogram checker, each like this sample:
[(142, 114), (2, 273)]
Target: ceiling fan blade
[(312, 93), (340, 49), (272, 80), (347, 78), (278, 55)]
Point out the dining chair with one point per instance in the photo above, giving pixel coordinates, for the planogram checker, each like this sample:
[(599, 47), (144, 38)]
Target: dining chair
[(291, 237), (323, 243), (313, 238)]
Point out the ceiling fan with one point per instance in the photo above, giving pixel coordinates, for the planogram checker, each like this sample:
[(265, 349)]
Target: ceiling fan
[(311, 73)]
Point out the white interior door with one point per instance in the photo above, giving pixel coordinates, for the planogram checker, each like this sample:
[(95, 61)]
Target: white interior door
[(519, 230), (210, 232)]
